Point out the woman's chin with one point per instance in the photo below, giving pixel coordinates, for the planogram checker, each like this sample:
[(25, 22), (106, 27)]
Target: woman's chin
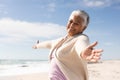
[(70, 34)]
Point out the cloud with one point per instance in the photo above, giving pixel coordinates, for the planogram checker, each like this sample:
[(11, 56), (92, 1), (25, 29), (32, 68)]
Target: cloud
[(97, 3), (101, 3), (16, 30)]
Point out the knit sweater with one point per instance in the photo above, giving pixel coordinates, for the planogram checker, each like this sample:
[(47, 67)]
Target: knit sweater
[(68, 56)]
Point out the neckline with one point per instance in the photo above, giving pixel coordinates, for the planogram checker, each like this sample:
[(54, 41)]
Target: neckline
[(72, 36)]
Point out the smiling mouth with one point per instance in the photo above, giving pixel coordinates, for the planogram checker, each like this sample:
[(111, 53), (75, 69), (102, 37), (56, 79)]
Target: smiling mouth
[(71, 29)]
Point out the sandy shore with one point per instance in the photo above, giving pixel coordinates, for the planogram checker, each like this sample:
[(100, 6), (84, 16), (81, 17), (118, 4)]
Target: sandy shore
[(34, 76), (105, 70)]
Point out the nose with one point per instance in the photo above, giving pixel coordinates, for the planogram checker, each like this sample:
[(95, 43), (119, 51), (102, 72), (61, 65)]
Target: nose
[(72, 24)]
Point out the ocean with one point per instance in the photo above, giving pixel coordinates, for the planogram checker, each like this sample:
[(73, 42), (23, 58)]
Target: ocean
[(19, 66)]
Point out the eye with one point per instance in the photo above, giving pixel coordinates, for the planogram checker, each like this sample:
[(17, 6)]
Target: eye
[(70, 21), (76, 23)]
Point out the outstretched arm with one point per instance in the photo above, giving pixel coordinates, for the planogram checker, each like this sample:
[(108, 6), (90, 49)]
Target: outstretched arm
[(45, 44), (91, 54)]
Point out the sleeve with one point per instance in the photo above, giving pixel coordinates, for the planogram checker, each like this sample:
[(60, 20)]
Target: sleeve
[(45, 44), (48, 44), (81, 43)]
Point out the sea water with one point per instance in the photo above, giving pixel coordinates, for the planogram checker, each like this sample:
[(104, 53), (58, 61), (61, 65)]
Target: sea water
[(19, 66)]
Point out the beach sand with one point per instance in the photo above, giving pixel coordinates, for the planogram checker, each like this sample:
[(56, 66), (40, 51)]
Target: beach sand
[(34, 76), (104, 70)]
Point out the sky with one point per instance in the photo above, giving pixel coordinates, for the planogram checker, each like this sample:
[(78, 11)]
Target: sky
[(23, 22)]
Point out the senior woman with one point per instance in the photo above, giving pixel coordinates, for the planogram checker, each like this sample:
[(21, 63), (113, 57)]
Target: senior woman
[(69, 54)]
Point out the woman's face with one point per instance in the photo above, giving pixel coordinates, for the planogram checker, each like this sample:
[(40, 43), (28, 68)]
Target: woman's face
[(74, 25)]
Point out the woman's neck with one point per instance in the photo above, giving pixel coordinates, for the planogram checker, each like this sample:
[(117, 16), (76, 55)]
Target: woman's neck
[(70, 35)]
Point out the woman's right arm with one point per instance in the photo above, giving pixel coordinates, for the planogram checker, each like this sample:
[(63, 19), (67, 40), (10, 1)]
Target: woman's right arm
[(44, 44)]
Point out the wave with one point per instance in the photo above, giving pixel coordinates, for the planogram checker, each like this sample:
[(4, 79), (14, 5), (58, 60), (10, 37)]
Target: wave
[(16, 67)]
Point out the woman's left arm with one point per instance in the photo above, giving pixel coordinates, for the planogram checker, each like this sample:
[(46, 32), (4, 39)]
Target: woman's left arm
[(86, 51), (91, 54), (81, 43)]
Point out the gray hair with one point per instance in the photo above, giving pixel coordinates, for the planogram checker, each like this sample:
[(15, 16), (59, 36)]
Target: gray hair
[(83, 15)]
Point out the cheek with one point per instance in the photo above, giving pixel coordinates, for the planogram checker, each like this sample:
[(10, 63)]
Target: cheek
[(68, 26), (80, 29)]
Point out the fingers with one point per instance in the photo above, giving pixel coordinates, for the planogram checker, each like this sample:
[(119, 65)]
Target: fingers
[(97, 53), (37, 41), (97, 50), (94, 60), (95, 56), (34, 47), (92, 50), (92, 45)]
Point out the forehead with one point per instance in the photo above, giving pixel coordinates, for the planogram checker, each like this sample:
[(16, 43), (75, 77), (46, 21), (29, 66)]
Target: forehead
[(76, 18)]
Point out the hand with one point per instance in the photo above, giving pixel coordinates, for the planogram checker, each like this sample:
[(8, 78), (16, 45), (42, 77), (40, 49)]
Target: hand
[(91, 54), (35, 46)]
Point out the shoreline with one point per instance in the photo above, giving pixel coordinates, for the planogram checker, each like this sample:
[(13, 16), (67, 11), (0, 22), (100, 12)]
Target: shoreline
[(103, 70)]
